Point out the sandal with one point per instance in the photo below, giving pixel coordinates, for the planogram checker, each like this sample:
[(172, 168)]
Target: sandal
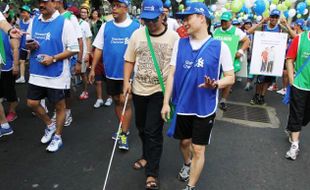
[(152, 184), (138, 164)]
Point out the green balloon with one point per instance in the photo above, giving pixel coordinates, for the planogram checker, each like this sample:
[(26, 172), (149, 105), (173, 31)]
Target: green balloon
[(298, 16), (181, 7), (266, 13), (267, 4), (288, 3), (236, 6), (275, 2), (308, 2), (228, 5), (284, 7)]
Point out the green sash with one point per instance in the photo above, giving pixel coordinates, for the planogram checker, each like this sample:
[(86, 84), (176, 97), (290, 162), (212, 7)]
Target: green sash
[(67, 15), (2, 50)]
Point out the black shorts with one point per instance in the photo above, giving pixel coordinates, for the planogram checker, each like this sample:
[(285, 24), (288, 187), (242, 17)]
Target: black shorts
[(198, 129), (260, 79), (7, 86), (38, 93), (67, 93), (114, 87), (23, 54), (100, 77), (299, 109)]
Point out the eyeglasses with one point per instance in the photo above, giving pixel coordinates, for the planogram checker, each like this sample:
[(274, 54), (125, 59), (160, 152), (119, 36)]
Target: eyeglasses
[(155, 20), (115, 5)]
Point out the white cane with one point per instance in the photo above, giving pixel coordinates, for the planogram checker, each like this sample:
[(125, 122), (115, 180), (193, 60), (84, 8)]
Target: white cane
[(115, 142)]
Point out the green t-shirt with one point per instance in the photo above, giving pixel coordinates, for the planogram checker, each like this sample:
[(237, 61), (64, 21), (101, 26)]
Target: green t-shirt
[(302, 81)]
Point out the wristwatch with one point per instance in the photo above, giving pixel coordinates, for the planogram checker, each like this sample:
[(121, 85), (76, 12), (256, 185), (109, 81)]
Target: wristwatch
[(54, 59)]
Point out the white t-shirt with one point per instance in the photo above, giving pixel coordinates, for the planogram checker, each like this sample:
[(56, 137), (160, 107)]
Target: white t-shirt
[(225, 57), (172, 24), (2, 18), (76, 25), (86, 33), (99, 40), (70, 43)]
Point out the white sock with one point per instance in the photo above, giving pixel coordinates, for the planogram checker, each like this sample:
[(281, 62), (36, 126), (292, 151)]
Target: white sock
[(295, 143), (68, 111), (223, 100), (42, 102), (58, 136), (5, 126)]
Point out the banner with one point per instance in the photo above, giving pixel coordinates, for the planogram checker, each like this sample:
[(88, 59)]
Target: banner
[(268, 53)]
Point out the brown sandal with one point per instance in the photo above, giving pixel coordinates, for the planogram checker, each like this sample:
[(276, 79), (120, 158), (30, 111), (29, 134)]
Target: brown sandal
[(138, 165), (152, 184)]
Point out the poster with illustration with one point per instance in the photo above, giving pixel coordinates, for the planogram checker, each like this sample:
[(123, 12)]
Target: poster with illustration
[(268, 53)]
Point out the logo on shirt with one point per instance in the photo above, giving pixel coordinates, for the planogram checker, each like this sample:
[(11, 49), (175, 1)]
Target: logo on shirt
[(187, 64), (42, 36), (149, 8), (200, 63), (119, 40)]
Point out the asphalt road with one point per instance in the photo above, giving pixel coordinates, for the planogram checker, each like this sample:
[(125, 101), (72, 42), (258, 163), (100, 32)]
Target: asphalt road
[(239, 157)]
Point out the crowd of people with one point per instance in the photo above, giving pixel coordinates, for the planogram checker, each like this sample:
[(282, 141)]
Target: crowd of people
[(168, 68)]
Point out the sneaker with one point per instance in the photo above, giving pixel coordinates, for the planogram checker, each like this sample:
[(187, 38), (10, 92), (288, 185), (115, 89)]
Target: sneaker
[(11, 116), (189, 188), (98, 103), (20, 80), (254, 100), (184, 173), (289, 135), (123, 142), (261, 101), (68, 119), (48, 134), (248, 87), (239, 79), (273, 87), (4, 132), (223, 106), (115, 134), (282, 91), (84, 95), (55, 144), (292, 153), (108, 102)]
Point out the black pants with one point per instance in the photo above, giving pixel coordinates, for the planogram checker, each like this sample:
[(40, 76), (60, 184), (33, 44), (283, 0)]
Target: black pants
[(7, 86), (150, 127), (299, 109)]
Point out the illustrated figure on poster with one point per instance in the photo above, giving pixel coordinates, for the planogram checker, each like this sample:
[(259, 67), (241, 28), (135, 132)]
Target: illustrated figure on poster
[(264, 57), (271, 57)]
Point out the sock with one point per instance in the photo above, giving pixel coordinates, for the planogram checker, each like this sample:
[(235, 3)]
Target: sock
[(5, 126), (58, 136), (295, 143), (52, 125), (223, 100), (188, 165), (68, 111), (190, 187)]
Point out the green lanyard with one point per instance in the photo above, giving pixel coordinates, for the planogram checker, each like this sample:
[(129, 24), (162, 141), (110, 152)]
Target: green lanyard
[(2, 50)]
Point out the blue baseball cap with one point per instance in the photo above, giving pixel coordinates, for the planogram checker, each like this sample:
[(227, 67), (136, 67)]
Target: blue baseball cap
[(195, 8), (235, 22), (300, 22), (275, 12), (151, 9), (126, 2)]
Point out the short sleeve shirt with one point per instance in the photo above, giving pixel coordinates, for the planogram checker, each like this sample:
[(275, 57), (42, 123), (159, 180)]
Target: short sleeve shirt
[(1, 17)]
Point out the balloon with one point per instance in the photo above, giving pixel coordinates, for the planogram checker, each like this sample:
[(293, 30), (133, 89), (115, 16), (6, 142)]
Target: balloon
[(259, 18), (223, 9), (272, 6), (267, 4), (187, 2), (291, 13), (259, 7), (222, 2), (298, 15), (249, 3), (284, 7), (213, 8), (245, 17), (301, 7), (168, 3), (227, 5), (285, 13), (275, 2), (181, 7), (266, 13), (236, 6), (178, 1), (305, 11), (308, 2), (288, 3)]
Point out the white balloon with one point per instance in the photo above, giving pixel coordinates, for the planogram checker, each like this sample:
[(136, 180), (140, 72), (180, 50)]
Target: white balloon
[(272, 6), (293, 1), (240, 19), (222, 2), (223, 9), (249, 3), (178, 1), (259, 18), (305, 11), (245, 17), (213, 8), (291, 13)]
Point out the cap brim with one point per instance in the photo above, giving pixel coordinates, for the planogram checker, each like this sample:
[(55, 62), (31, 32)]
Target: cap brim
[(225, 19), (148, 15)]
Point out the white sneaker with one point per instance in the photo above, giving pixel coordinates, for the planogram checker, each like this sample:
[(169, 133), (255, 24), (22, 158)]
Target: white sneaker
[(282, 91), (55, 144), (20, 80), (68, 120), (184, 173), (48, 134), (292, 153), (98, 103), (108, 102)]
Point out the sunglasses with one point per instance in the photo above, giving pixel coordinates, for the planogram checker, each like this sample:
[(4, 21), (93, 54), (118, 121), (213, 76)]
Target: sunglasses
[(155, 20)]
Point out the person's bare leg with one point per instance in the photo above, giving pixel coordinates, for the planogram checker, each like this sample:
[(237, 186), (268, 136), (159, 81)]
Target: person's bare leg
[(99, 89), (119, 104), (186, 150), (60, 116), (2, 115), (12, 106), (22, 68), (40, 111), (85, 81), (197, 164)]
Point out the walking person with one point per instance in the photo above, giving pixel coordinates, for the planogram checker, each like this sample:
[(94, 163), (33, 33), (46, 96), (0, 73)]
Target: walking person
[(298, 62), (111, 43), (193, 84), (52, 43)]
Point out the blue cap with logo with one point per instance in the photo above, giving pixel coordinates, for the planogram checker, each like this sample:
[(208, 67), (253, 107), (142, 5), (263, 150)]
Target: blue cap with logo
[(300, 22), (235, 22), (275, 12), (195, 8), (151, 9)]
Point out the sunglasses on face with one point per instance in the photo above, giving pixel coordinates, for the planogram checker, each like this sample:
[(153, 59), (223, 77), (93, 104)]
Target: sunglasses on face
[(155, 20)]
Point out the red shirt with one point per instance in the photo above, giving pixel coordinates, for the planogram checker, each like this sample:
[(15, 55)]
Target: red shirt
[(293, 49)]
